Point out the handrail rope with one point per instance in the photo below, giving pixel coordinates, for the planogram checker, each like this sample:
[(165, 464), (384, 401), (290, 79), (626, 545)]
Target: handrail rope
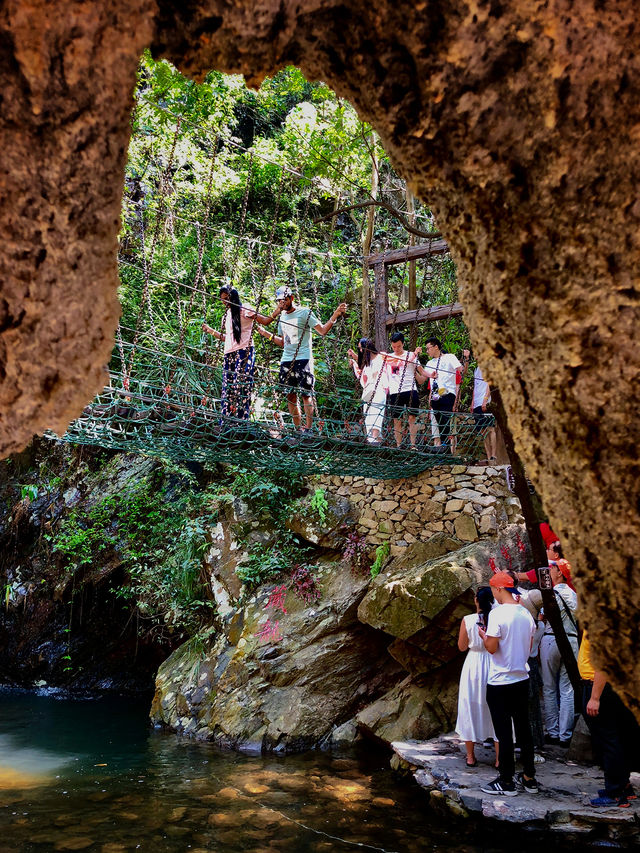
[(201, 243), (253, 238), (162, 183)]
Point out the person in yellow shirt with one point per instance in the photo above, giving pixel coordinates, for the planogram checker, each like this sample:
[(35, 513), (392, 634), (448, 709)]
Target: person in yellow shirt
[(614, 731)]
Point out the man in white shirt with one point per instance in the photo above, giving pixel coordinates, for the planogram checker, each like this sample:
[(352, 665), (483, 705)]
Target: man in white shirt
[(483, 421), (442, 369), (559, 717), (403, 370), (508, 640)]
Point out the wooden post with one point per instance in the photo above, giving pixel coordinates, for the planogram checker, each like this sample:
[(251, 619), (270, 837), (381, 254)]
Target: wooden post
[(532, 519), (413, 295), (366, 296), (380, 283)]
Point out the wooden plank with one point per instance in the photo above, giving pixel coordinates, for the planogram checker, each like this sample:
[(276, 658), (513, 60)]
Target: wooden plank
[(411, 253), (424, 315), (381, 306)]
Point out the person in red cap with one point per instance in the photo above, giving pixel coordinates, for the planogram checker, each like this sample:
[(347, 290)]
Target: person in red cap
[(559, 715), (508, 640)]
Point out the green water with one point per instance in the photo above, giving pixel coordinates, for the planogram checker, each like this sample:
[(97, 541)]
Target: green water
[(91, 775)]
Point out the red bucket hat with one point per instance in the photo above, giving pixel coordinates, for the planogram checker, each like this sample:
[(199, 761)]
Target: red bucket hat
[(548, 535)]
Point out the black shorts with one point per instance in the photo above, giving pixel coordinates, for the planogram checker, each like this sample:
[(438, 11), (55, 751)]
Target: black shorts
[(297, 376), (481, 420), (397, 403)]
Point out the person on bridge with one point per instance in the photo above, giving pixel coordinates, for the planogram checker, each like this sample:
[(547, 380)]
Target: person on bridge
[(403, 371), (295, 325), (443, 371), (369, 367), (239, 354)]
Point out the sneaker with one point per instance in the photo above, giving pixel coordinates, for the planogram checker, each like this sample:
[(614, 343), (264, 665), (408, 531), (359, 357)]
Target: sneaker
[(619, 802), (528, 785), (628, 793), (538, 759), (551, 741), (506, 789), (565, 744)]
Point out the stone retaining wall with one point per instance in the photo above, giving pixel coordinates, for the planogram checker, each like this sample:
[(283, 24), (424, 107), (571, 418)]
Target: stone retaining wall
[(467, 502)]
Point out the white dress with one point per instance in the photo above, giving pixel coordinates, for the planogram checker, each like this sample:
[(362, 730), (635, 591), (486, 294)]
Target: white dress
[(474, 720), (374, 393)]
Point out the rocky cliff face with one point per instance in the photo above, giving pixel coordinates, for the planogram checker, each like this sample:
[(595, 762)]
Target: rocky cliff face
[(361, 655)]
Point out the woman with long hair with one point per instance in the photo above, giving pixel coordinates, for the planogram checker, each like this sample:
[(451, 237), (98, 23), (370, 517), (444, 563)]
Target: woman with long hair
[(239, 353), (474, 719), (369, 367)]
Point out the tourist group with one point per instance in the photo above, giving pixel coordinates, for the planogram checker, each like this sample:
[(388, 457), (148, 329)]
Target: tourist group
[(389, 379), (514, 682)]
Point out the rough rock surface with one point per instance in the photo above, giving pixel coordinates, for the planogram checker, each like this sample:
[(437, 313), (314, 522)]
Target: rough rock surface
[(517, 122), (562, 806), (421, 604), (414, 709), (279, 681)]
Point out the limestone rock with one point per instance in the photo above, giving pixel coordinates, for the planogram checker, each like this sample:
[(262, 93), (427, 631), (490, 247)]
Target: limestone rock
[(421, 604), (281, 686), (465, 528), (329, 533), (412, 710)]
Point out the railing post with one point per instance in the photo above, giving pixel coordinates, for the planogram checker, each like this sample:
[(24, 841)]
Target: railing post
[(381, 306)]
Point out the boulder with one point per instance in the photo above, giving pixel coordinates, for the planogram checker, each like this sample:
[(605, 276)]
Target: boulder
[(328, 532), (294, 672), (414, 709), (422, 604)]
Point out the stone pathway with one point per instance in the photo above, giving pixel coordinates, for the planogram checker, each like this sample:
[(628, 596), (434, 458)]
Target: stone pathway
[(562, 805)]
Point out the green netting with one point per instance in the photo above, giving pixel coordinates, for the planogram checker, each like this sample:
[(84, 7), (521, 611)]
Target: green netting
[(164, 390), (185, 423)]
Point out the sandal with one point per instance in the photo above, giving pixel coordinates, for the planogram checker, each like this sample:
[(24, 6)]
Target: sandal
[(475, 763)]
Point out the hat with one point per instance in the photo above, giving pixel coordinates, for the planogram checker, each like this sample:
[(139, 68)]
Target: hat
[(550, 538), (282, 292), (565, 569), (502, 579)]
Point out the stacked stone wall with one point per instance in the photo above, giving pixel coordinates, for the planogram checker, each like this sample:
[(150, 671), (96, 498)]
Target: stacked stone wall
[(466, 502)]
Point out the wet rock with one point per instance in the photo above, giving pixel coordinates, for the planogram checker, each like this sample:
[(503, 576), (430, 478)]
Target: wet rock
[(288, 678), (76, 842), (423, 710)]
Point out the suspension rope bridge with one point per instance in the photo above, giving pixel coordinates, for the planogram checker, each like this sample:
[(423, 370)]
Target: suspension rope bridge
[(164, 395)]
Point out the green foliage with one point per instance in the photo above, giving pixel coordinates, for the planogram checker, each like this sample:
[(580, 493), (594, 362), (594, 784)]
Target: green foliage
[(159, 537), (29, 491), (382, 554), (319, 504)]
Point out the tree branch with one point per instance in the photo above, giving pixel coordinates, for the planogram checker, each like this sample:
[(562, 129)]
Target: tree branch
[(389, 207)]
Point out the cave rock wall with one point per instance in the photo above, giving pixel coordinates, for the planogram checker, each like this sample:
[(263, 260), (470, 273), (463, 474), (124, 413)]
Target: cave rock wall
[(518, 123)]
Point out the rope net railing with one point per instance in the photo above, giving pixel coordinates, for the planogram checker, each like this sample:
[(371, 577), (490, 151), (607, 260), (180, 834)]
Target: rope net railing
[(181, 241)]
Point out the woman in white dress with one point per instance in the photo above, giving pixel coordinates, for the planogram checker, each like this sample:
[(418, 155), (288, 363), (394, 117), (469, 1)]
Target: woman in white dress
[(369, 367), (474, 719)]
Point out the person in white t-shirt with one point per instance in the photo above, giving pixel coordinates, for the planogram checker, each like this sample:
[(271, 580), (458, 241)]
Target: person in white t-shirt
[(442, 369), (508, 639), (483, 421), (403, 371)]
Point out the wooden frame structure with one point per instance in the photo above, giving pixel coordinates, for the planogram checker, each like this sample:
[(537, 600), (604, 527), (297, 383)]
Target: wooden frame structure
[(383, 318)]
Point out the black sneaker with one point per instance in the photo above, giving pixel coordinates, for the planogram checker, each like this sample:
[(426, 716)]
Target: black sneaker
[(528, 785), (506, 789), (551, 741)]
